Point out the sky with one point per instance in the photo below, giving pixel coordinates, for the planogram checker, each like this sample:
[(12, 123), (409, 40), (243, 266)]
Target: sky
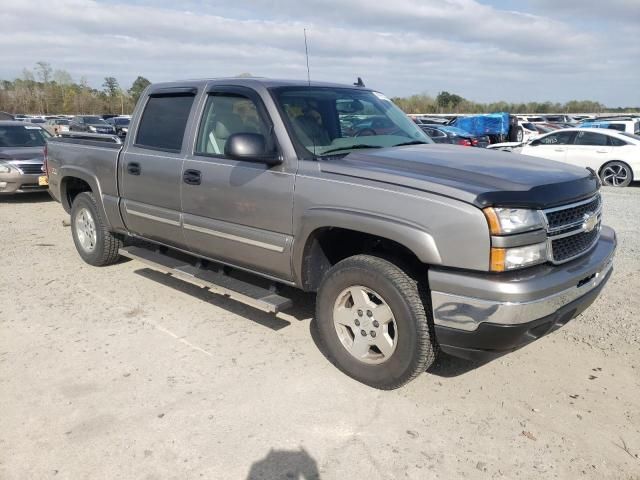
[(489, 50)]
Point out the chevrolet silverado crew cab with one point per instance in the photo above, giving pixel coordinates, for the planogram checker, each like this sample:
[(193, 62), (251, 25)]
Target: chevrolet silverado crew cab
[(251, 186)]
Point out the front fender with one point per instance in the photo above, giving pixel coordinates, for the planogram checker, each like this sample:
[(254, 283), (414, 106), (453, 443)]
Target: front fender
[(411, 236)]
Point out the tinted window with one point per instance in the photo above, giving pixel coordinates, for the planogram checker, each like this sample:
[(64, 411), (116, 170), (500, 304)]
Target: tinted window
[(560, 138), (19, 136), (591, 138), (164, 121), (616, 142), (227, 114), (94, 120)]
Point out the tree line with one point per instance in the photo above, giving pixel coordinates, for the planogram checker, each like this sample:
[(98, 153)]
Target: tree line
[(44, 90), (446, 102)]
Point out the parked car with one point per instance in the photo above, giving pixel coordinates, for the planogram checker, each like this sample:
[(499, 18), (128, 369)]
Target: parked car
[(56, 126), (411, 246), (92, 124), (121, 124), (455, 136), (529, 131), (21, 157), (614, 155), (36, 120), (622, 124)]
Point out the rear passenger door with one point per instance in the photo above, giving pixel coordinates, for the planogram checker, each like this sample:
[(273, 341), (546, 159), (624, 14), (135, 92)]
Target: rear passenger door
[(589, 149), (151, 167), (237, 211)]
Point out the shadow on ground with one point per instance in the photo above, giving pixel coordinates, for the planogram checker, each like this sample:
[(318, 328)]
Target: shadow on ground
[(445, 366), (285, 465), (302, 302), (31, 197)]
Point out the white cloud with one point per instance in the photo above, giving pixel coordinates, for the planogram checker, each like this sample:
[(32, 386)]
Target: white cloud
[(404, 47)]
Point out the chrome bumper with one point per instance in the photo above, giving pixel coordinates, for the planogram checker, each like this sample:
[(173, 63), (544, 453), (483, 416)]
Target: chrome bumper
[(463, 301)]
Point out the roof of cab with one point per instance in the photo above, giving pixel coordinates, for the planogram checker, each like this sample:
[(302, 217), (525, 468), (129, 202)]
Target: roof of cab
[(247, 82)]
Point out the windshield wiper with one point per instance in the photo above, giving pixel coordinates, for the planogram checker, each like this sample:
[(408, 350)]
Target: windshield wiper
[(412, 142), (352, 147)]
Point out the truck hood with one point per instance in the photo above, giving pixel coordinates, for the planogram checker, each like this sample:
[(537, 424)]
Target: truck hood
[(22, 153), (474, 175)]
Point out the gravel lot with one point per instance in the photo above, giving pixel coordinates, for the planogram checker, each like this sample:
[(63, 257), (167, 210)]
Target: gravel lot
[(120, 372)]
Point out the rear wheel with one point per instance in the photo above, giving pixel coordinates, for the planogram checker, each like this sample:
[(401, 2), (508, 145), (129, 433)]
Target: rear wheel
[(616, 174), (95, 243), (373, 323)]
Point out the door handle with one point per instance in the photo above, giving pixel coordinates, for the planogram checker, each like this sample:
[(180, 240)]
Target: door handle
[(192, 177), (602, 151), (133, 168), (560, 149)]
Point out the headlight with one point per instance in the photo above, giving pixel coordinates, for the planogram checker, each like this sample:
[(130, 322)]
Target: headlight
[(503, 259), (92, 129), (125, 129), (504, 221), (4, 168)]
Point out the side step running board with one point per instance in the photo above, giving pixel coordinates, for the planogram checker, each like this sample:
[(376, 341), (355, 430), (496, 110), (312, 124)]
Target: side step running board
[(220, 283)]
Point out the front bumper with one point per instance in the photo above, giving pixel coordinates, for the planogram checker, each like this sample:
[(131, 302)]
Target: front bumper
[(481, 316), (15, 182)]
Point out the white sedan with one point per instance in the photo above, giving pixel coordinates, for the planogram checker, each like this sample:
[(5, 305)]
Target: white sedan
[(614, 155)]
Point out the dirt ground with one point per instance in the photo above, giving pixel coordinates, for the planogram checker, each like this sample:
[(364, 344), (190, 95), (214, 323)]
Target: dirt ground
[(123, 373)]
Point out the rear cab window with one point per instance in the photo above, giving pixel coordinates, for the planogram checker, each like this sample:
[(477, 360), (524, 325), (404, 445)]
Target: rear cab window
[(164, 121)]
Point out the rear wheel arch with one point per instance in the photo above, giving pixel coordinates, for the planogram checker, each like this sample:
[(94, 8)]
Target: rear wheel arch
[(70, 187)]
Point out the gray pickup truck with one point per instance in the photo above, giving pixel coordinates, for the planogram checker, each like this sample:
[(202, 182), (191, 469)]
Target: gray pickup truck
[(252, 186)]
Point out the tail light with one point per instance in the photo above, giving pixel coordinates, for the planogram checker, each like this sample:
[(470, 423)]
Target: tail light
[(474, 142), (465, 142), (45, 166)]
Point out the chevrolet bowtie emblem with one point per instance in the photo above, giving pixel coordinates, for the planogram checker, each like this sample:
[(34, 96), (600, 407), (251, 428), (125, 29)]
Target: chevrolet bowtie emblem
[(590, 222)]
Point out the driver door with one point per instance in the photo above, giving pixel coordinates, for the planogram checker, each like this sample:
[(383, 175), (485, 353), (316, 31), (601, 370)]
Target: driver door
[(552, 147), (237, 211)]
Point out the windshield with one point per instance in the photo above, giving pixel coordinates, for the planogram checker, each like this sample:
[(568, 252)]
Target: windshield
[(333, 121), (121, 121), (22, 136), (94, 121), (631, 135)]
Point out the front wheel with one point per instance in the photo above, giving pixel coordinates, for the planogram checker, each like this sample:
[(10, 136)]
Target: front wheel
[(616, 174), (373, 323)]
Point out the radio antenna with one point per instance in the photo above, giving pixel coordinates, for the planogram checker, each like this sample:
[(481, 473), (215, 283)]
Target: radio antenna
[(306, 52)]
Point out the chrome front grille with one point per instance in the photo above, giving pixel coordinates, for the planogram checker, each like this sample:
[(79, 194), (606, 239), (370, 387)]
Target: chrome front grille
[(30, 168), (574, 229)]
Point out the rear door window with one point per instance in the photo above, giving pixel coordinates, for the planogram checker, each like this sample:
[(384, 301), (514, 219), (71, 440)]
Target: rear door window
[(591, 138), (164, 122)]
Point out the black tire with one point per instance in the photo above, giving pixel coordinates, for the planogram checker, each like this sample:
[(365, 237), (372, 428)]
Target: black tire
[(516, 134), (105, 251), (415, 350), (616, 174)]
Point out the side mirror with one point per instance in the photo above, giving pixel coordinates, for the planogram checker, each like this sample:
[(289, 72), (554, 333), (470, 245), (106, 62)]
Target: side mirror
[(534, 143), (251, 147)]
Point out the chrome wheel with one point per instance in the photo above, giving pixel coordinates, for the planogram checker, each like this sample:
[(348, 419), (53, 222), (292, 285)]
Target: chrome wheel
[(615, 175), (85, 227), (365, 325)]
